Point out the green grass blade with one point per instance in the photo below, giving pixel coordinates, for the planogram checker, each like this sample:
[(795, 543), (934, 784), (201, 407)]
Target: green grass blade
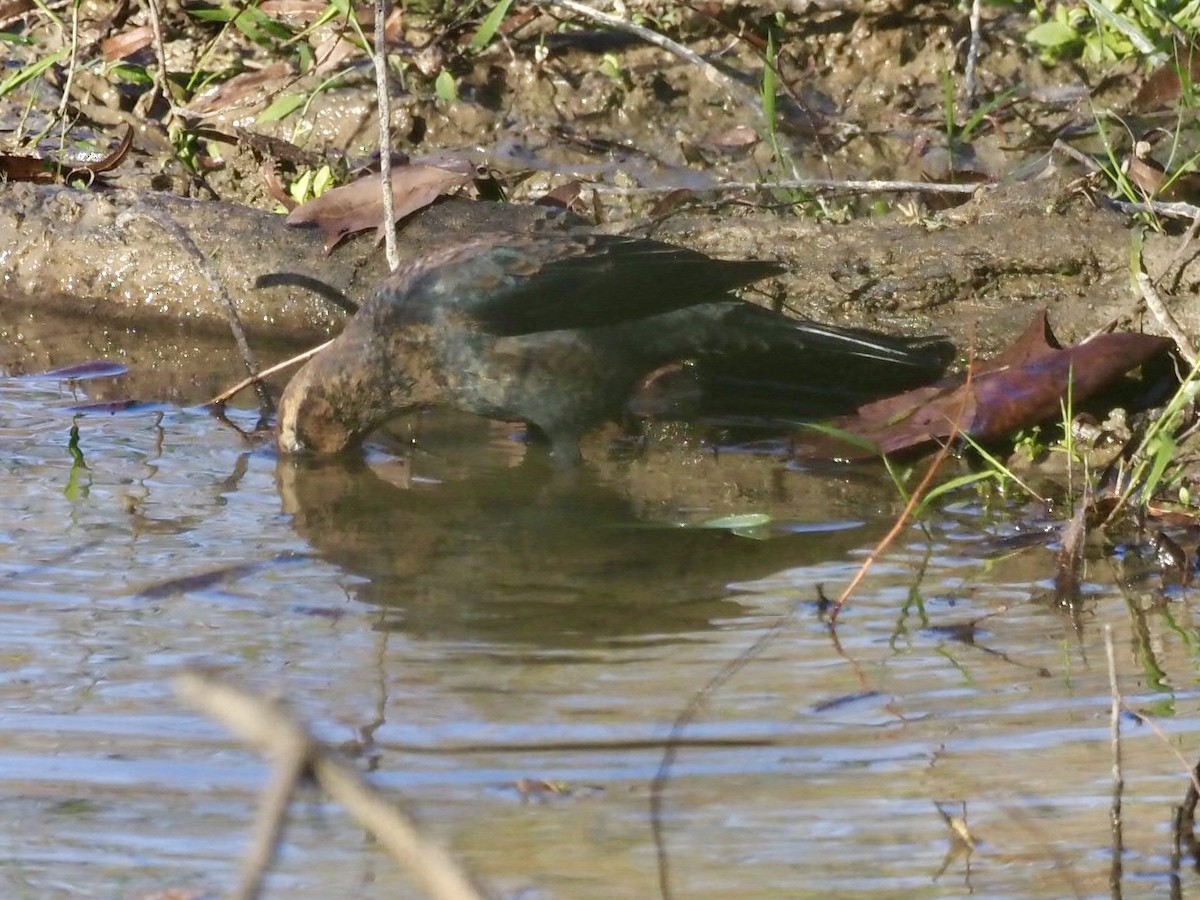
[(491, 24), (30, 72)]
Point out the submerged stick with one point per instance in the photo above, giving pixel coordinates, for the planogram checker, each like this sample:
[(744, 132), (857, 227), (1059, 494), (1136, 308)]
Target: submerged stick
[(675, 740)]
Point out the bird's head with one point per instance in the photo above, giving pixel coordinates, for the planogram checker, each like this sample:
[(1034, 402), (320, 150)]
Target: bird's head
[(357, 383)]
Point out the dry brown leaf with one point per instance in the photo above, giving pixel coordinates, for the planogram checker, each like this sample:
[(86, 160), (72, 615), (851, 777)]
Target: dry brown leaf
[(1023, 386), (330, 52), (1164, 86), (562, 196), (359, 205), (126, 43), (240, 87), (1150, 177), (671, 202)]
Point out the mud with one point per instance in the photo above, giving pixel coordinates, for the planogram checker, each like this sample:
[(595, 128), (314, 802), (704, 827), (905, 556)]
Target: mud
[(862, 93)]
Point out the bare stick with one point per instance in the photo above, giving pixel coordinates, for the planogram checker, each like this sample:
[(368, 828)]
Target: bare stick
[(271, 820), (972, 56), (902, 520), (1169, 323), (1174, 210), (229, 393), (160, 54), (273, 731), (1177, 257), (1061, 146), (214, 282), (735, 89), (833, 185), (384, 99), (1114, 728)]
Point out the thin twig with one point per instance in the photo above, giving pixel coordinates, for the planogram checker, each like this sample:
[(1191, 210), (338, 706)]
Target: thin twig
[(1172, 210), (72, 65), (735, 88), (902, 520), (1169, 323), (1061, 146), (270, 821), (1177, 257), (229, 393), (161, 217), (273, 731), (972, 56), (1118, 779), (160, 54), (384, 99), (836, 185), (1166, 741)]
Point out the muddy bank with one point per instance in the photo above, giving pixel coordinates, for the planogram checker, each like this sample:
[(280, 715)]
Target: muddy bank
[(102, 275), (98, 273)]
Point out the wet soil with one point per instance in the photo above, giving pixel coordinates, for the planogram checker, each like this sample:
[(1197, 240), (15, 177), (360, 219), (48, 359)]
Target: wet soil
[(861, 91)]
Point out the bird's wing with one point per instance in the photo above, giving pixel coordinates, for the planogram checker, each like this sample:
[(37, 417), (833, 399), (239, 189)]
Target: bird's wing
[(525, 284), (763, 359)]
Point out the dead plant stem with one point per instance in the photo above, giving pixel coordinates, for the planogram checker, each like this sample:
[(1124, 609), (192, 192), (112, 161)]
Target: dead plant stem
[(734, 88), (230, 393), (833, 185), (1168, 321), (913, 499), (384, 99), (972, 56)]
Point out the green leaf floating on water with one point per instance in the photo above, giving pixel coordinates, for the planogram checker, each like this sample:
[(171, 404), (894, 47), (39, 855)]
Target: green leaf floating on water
[(747, 525), (735, 523)]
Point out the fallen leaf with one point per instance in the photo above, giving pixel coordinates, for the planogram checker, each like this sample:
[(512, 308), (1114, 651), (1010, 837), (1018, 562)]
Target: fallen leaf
[(239, 88), (739, 137), (126, 43), (1164, 85), (1148, 175), (1023, 386), (359, 205), (671, 202), (562, 196)]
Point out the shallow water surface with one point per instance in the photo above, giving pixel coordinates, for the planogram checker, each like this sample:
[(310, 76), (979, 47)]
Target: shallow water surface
[(507, 648)]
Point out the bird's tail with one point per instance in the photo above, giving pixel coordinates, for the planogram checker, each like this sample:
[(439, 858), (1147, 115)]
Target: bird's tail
[(778, 367)]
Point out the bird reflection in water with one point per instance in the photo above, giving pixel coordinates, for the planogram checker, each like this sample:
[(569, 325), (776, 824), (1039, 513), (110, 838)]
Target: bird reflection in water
[(521, 555)]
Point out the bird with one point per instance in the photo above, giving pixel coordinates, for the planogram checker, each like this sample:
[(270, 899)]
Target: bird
[(557, 330)]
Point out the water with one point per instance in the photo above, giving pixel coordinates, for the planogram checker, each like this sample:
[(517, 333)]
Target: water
[(506, 649)]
